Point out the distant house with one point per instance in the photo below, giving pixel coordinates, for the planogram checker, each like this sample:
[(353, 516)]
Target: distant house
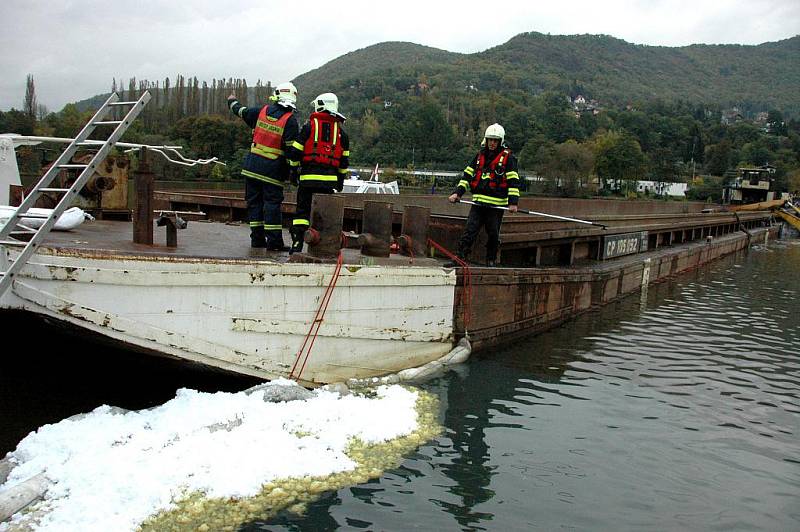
[(731, 116), (661, 188), (656, 188), (579, 100)]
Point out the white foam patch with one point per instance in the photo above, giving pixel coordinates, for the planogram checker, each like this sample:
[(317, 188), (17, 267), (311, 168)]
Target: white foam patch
[(111, 470)]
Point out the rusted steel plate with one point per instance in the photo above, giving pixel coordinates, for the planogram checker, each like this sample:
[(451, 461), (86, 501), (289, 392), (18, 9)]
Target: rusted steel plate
[(326, 219), (416, 220), (377, 223)]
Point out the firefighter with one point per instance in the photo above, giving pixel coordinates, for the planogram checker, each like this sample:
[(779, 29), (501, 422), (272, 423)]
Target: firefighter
[(323, 151), (266, 167), (493, 180)]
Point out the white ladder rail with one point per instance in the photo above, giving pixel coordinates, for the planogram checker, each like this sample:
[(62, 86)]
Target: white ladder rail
[(62, 162)]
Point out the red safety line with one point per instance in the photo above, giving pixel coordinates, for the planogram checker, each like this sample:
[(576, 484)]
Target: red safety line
[(466, 293), (317, 323)]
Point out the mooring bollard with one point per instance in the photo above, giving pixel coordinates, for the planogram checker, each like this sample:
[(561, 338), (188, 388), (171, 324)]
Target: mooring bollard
[(324, 236), (143, 211), (376, 233), (173, 222), (414, 233)]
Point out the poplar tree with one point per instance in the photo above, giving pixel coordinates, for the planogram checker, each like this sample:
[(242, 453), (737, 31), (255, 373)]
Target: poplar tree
[(29, 106)]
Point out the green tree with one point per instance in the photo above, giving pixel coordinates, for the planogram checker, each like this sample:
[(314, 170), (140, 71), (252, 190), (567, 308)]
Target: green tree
[(718, 158), (565, 166), (69, 121), (775, 123), (30, 98), (15, 121), (619, 160)]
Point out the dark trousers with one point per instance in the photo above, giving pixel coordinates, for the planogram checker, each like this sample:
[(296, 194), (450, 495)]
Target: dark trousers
[(264, 210), (488, 218), (302, 215)]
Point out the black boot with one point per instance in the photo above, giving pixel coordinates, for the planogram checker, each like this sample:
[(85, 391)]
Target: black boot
[(297, 240), (275, 242), (277, 246), (258, 238)]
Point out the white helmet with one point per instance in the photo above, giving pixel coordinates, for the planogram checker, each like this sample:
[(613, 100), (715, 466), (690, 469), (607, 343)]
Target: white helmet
[(286, 94), (495, 131), (327, 102)]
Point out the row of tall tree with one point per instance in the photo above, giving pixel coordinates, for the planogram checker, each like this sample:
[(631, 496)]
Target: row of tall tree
[(424, 126)]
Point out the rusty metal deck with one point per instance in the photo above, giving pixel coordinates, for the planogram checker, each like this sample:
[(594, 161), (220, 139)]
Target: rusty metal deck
[(207, 240)]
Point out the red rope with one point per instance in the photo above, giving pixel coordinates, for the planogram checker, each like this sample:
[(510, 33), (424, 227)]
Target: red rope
[(317, 323), (466, 293)]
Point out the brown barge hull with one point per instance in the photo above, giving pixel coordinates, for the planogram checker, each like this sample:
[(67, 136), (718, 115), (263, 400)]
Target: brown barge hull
[(508, 303)]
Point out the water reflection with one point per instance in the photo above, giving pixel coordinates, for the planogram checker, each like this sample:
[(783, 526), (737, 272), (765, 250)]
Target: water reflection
[(678, 413)]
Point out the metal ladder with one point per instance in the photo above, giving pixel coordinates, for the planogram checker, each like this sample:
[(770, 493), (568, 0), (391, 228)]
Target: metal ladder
[(14, 227)]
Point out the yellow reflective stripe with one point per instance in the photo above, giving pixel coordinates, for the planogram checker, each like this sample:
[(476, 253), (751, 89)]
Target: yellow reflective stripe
[(297, 145), (300, 221), (343, 170), (293, 163), (346, 153), (513, 191), (470, 171), (335, 133), (264, 178), (277, 227), (318, 177), (256, 224), (272, 128), (464, 183), (480, 198), (512, 175), (264, 151), (316, 130)]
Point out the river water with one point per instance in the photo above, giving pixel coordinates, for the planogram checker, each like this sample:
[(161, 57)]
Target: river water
[(677, 410)]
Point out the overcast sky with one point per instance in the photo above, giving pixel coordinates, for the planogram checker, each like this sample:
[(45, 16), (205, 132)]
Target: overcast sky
[(74, 48)]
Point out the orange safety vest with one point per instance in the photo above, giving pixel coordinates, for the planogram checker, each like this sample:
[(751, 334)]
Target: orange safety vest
[(324, 145), (268, 135), (497, 168)]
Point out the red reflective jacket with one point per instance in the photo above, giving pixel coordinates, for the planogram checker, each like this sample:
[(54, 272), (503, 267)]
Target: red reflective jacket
[(268, 135), (497, 168), (324, 144)]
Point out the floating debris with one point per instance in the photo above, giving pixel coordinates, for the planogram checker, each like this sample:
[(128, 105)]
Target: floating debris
[(213, 461)]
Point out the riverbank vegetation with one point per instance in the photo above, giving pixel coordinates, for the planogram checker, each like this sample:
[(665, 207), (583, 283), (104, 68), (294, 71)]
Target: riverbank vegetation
[(584, 114)]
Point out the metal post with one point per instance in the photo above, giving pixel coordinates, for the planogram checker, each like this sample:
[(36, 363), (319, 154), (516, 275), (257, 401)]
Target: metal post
[(325, 235), (376, 234), (414, 237), (143, 210)]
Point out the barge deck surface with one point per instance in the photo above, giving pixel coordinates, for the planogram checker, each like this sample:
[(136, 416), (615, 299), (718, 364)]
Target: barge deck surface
[(206, 240)]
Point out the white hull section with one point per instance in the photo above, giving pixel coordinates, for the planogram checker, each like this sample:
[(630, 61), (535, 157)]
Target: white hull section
[(249, 317)]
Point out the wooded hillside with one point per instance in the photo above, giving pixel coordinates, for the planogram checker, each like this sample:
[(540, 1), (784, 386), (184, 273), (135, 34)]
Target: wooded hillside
[(572, 106)]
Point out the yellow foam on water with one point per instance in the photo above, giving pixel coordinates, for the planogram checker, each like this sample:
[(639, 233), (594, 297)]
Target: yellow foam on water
[(197, 512)]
